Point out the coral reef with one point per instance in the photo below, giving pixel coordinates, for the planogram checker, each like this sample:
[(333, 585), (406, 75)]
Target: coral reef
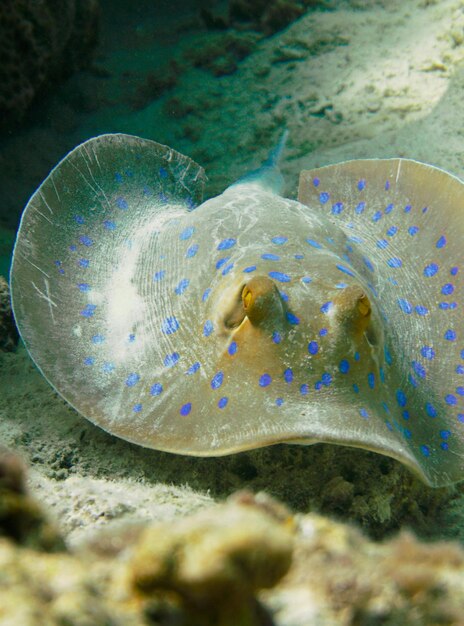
[(42, 42), (247, 562), (8, 333), (21, 518)]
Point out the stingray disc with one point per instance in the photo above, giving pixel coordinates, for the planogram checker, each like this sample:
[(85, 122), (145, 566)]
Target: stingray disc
[(251, 319)]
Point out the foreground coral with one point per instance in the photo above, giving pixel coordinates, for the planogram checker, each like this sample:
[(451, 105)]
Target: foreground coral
[(247, 562)]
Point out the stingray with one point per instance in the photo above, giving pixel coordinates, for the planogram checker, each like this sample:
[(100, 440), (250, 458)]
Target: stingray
[(207, 328)]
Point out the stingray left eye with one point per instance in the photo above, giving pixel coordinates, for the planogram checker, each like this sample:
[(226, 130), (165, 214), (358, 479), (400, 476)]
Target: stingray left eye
[(236, 312)]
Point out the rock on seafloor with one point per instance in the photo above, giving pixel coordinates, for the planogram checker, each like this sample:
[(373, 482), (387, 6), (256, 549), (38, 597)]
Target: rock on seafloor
[(8, 333), (245, 562)]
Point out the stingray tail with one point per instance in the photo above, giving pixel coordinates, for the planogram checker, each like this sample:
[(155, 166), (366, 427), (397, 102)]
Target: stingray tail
[(268, 175)]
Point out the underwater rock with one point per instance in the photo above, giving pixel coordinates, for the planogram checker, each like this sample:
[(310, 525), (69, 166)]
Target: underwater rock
[(21, 517), (8, 333), (41, 43), (247, 562), (268, 17), (215, 561)]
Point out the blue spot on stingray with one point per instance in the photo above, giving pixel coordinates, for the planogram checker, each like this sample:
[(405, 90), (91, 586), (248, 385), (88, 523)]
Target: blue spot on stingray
[(316, 182), (355, 388), (412, 230), (84, 262), (313, 347), (279, 240), (132, 379), (360, 208), (171, 359), (222, 262), (387, 185), (428, 352), (109, 225), (288, 375), (450, 335), (206, 293), (447, 289), (344, 366), (118, 177), (227, 269), (368, 264), (265, 380), (404, 305), (454, 271), (460, 391), (217, 380), (430, 410), (425, 450), (279, 401), (299, 256), (459, 369), (249, 269), (159, 275), (326, 379), (388, 210), (187, 233), (363, 413), (208, 328), (357, 356), (306, 280), (419, 369), (392, 230), (292, 319), (185, 409), (276, 337), (270, 257), (451, 399), (88, 310), (284, 296), (191, 252), (337, 208), (361, 184), (377, 216), (323, 332), (280, 276), (313, 243), (371, 380), (405, 415), (156, 389), (84, 287), (232, 349), (163, 172), (326, 307), (85, 241), (430, 270), (131, 338), (324, 197), (98, 339), (89, 360), (170, 325), (401, 398), (345, 270), (421, 310), (382, 244), (182, 286), (395, 262), (223, 402), (193, 368), (108, 367), (441, 243), (225, 244), (304, 389), (121, 203), (460, 417)]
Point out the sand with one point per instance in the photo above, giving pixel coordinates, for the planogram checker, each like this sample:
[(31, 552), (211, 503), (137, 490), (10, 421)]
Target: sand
[(369, 79)]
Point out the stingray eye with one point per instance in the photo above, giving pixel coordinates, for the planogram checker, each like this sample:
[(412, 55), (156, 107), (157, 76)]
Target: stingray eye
[(247, 297)]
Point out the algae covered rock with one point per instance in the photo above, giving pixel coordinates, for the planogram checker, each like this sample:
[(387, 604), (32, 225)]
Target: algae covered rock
[(8, 333), (215, 561)]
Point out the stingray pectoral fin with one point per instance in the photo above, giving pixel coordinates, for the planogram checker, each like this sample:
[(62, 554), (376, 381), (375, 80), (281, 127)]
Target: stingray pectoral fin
[(404, 228), (94, 245)]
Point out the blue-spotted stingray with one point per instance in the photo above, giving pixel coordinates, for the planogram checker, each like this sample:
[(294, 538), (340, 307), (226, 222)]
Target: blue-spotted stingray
[(207, 328)]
